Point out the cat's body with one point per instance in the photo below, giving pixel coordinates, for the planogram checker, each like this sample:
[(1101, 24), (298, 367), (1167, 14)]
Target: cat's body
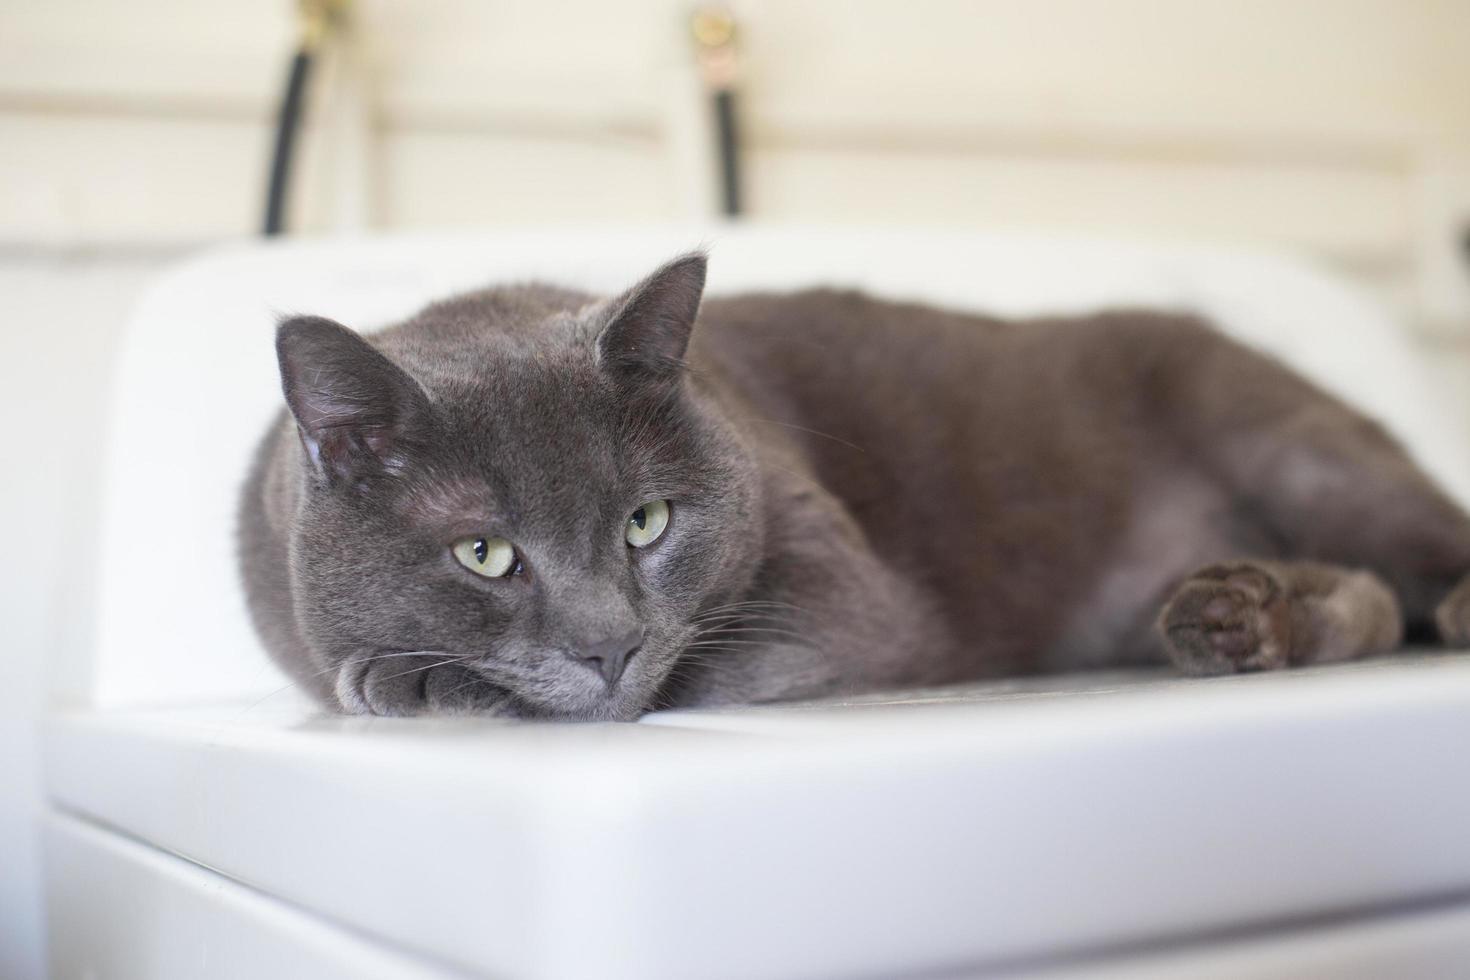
[(863, 494)]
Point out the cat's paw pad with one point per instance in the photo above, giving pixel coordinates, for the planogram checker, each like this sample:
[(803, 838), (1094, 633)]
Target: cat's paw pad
[(1453, 616), (1227, 619)]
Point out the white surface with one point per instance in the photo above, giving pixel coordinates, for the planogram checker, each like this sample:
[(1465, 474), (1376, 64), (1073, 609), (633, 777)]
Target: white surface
[(125, 911), (63, 314), (1014, 824), (1003, 827), (1427, 945), (197, 380)]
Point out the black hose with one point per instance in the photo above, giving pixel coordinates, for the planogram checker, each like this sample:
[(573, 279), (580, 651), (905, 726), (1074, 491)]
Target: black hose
[(729, 139), (288, 121)]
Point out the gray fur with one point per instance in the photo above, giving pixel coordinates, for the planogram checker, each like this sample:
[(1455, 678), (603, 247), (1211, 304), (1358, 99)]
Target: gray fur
[(864, 494)]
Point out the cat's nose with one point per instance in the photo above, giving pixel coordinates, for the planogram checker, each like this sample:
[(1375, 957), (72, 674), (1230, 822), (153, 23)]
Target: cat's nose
[(609, 657)]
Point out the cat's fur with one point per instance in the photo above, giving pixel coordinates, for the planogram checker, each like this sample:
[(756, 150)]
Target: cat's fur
[(864, 494)]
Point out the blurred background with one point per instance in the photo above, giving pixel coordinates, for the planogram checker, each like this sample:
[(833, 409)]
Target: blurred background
[(134, 133)]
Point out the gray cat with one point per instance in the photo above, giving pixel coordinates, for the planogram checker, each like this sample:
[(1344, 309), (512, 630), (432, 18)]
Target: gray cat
[(531, 502)]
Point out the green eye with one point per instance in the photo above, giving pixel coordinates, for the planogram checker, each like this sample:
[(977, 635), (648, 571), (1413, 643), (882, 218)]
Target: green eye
[(647, 523), (490, 557)]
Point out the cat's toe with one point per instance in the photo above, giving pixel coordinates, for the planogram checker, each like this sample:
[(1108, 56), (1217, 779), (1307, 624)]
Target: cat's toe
[(389, 686), (400, 685), (456, 690), (1227, 619), (1453, 616)]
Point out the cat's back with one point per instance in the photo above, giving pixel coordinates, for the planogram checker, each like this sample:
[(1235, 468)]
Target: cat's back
[(911, 378), (841, 358)]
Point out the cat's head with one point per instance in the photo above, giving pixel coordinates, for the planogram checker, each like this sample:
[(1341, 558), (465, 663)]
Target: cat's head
[(525, 480)]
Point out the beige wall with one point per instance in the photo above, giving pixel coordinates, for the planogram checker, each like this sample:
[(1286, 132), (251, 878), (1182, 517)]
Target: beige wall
[(1337, 126)]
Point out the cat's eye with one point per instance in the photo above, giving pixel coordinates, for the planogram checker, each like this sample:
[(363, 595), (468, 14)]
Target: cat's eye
[(490, 557), (647, 523)]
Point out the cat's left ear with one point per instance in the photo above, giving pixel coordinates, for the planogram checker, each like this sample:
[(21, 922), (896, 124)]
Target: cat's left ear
[(646, 330)]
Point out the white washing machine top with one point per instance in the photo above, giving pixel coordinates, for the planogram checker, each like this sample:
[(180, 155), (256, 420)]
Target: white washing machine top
[(980, 829), (976, 829)]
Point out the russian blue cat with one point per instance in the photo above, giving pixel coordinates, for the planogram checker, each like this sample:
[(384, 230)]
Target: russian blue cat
[(534, 502)]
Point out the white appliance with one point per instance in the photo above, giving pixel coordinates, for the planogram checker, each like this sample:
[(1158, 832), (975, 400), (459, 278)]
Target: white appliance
[(205, 821)]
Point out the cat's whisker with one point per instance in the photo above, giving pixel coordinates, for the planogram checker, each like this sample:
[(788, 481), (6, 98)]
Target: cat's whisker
[(266, 697), (415, 670), (335, 668), (751, 603), (745, 622), (718, 630), (709, 663), (802, 428), (809, 481), (729, 622), (760, 601), (771, 638), (740, 623), (717, 666), (359, 667), (756, 607), (459, 687), (356, 661), (737, 615)]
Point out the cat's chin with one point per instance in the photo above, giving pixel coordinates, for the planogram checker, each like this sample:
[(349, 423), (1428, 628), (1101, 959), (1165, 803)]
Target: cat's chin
[(607, 708), (627, 702)]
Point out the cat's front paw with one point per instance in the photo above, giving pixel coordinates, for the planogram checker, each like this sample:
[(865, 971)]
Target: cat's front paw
[(456, 690), (1226, 619), (1453, 616), (404, 685)]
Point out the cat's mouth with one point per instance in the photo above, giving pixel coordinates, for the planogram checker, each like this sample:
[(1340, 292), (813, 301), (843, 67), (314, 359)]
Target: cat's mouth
[(569, 690), (539, 683)]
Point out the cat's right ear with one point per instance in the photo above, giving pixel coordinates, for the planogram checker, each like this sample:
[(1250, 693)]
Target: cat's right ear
[(355, 409)]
